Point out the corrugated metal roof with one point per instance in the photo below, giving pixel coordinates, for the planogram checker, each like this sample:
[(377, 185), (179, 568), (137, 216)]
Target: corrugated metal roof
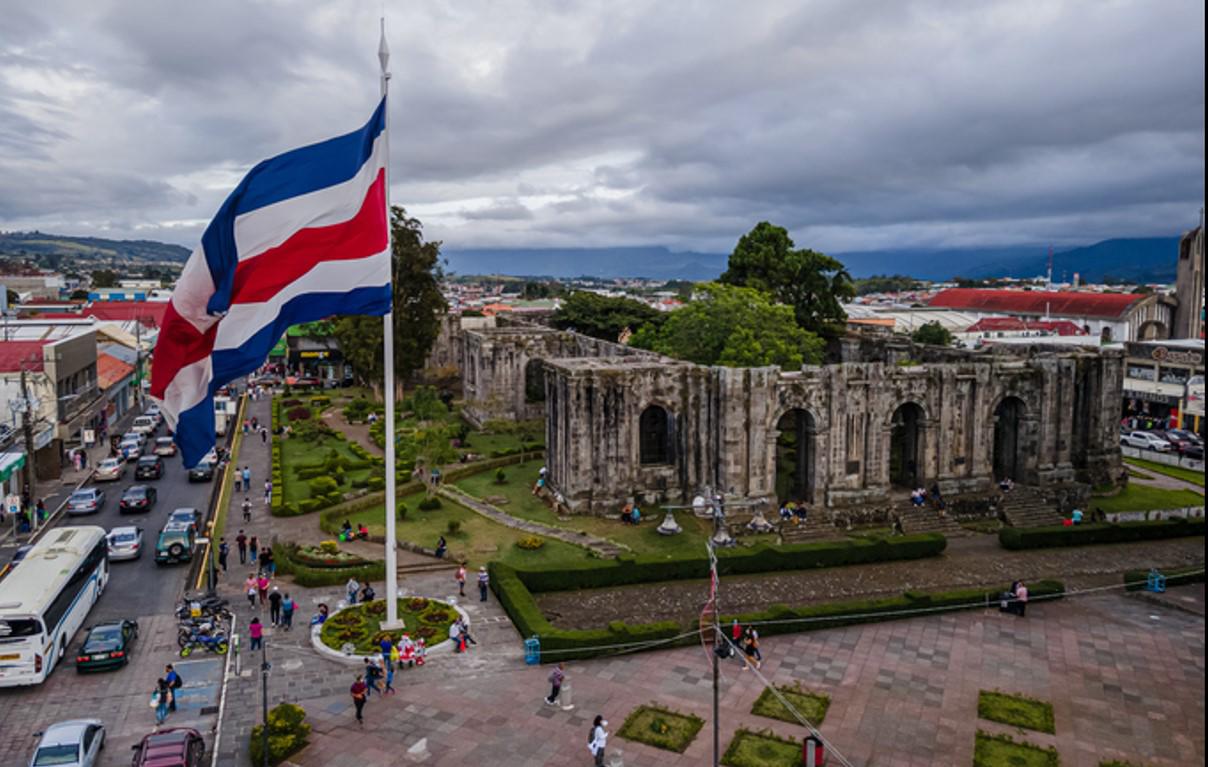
[(18, 355), (1038, 302)]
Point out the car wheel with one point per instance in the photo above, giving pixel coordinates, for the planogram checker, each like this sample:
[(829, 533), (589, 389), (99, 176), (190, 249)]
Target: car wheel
[(176, 550), (221, 648)]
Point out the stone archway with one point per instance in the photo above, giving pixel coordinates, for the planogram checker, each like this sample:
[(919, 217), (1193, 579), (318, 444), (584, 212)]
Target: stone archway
[(796, 456), (906, 446), (1008, 421), (534, 381), (1153, 330)]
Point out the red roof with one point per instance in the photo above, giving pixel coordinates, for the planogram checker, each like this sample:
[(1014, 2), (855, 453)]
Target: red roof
[(15, 355), (151, 313), (992, 324), (1037, 302), (110, 370)]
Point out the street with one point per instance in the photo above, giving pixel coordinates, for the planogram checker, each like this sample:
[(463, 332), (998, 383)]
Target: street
[(137, 589)]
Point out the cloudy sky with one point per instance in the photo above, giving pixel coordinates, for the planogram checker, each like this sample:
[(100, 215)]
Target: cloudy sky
[(857, 125)]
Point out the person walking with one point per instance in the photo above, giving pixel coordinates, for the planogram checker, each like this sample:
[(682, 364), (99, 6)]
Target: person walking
[(598, 739), (268, 492), (359, 692), (389, 689), (267, 563), (461, 579), (251, 589), (255, 631), (288, 606), (372, 674), (262, 584), (455, 635), (1021, 599), (224, 550), (238, 482), (263, 435), (751, 648), (247, 477), (160, 698), (351, 589), (253, 548), (274, 606), (174, 683), (483, 580), (556, 677), (388, 651), (241, 544)]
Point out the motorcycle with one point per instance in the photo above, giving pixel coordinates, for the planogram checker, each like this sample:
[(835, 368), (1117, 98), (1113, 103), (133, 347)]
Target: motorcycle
[(216, 642)]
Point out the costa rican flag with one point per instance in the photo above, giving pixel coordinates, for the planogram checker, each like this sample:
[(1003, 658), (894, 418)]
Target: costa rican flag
[(304, 236)]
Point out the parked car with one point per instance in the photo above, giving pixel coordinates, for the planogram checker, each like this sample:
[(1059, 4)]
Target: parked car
[(74, 743), (174, 747), (107, 645), (130, 449), (137, 498), (109, 470), (125, 543), (1195, 452), (149, 467), (1145, 440), (86, 500), (175, 544), (165, 446), (155, 413), (145, 424), (185, 516), (18, 555)]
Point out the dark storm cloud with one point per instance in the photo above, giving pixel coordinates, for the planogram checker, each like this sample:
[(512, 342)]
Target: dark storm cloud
[(612, 123)]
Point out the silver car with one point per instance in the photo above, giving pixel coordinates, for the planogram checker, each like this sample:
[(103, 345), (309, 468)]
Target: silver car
[(87, 500), (109, 470), (125, 543), (74, 743)]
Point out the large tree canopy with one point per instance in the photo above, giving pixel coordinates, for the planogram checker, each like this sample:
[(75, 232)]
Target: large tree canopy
[(732, 326), (932, 333), (604, 317), (813, 284), (418, 306)]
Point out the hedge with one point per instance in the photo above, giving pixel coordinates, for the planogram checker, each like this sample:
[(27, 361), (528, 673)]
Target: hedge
[(564, 644), (313, 577), (1135, 580), (1016, 538), (629, 569)]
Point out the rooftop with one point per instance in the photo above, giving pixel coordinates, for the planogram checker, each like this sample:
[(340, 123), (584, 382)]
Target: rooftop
[(18, 355), (110, 370), (1039, 303)]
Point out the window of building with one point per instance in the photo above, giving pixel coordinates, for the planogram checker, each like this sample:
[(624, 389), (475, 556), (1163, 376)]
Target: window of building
[(1174, 375), (654, 436), (1141, 372)]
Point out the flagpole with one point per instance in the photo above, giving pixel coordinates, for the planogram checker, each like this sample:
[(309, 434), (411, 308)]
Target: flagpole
[(392, 621)]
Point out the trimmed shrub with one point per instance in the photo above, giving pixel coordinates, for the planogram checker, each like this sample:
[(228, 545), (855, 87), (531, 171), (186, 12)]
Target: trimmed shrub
[(287, 732), (323, 485), (313, 577), (500, 477), (1135, 580), (298, 414), (454, 527), (1016, 538), (429, 504)]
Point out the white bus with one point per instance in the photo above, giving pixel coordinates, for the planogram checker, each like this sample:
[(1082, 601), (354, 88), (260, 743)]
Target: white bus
[(46, 598)]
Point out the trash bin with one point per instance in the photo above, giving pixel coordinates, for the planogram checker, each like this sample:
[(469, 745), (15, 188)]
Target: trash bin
[(1155, 582), (813, 752), (532, 651)]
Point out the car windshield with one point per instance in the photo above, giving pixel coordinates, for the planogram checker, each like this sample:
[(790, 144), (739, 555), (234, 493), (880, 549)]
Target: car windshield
[(105, 634), (83, 495), (164, 441), (149, 460), (63, 754), (123, 538), (110, 463), (136, 492)]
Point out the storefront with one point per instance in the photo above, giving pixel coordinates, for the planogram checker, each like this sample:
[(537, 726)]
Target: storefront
[(1158, 382), (11, 478)]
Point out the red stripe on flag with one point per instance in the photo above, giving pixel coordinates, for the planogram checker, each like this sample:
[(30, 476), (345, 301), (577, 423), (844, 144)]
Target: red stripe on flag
[(179, 345), (259, 279)]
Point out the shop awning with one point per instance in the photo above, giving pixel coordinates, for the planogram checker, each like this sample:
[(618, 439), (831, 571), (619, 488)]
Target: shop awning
[(10, 463)]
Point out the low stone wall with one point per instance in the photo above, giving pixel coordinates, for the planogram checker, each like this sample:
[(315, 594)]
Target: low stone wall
[(1187, 512)]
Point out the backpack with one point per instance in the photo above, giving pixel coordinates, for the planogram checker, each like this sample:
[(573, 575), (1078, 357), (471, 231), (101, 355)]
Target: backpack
[(177, 683)]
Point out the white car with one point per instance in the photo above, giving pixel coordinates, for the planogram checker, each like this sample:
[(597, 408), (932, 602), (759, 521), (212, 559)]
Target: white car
[(74, 743), (131, 449), (144, 424), (125, 543), (165, 446), (135, 435), (109, 470), (1145, 441)]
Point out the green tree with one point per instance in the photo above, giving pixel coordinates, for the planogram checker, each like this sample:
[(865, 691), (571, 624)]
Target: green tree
[(418, 306), (733, 326), (604, 317), (932, 333), (882, 283), (813, 284), (104, 278)]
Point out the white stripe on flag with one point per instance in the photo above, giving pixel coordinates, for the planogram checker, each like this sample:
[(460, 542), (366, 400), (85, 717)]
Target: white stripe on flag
[(187, 389), (193, 291)]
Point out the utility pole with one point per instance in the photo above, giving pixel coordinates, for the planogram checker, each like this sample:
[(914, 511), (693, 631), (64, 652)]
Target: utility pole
[(27, 427)]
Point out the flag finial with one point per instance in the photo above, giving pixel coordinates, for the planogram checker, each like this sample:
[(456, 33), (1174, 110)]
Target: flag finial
[(384, 50)]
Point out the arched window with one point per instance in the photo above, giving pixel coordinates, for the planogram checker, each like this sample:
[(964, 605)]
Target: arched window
[(654, 435), (534, 381)]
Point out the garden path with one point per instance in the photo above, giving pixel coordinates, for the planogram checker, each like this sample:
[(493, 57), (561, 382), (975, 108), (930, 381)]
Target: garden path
[(604, 548), (356, 432), (1154, 479)]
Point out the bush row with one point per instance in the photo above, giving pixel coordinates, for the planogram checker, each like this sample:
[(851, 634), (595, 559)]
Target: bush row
[(1135, 580), (314, 577), (1015, 538), (629, 569)]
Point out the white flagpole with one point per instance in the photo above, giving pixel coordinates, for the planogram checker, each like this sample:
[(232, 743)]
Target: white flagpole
[(392, 621)]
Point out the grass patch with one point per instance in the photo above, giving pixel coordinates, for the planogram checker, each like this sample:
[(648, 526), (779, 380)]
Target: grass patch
[(1002, 751), (1175, 472), (872, 533), (661, 728), (761, 749), (1016, 710), (811, 705), (360, 625), (1119, 763), (983, 526), (1140, 498)]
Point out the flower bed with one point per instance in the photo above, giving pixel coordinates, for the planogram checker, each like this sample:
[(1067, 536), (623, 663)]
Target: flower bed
[(811, 705), (317, 556), (661, 728), (358, 627)]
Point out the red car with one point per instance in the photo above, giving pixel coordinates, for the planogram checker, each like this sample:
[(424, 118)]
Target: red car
[(175, 747)]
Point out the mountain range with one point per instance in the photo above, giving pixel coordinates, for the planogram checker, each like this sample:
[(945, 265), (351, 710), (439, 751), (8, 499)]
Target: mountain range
[(52, 250)]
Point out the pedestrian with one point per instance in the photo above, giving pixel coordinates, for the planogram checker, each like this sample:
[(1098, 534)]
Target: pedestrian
[(359, 692), (160, 698), (389, 652), (351, 589), (455, 635), (461, 579), (598, 739), (263, 435), (247, 509), (255, 630), (736, 632), (224, 549), (174, 683), (250, 588), (367, 593), (464, 633), (372, 674), (268, 492), (238, 482), (40, 510), (246, 425), (389, 676), (274, 606), (751, 648), (288, 606), (253, 547), (1021, 599), (442, 547), (267, 562), (262, 584), (247, 477), (556, 677), (482, 584)]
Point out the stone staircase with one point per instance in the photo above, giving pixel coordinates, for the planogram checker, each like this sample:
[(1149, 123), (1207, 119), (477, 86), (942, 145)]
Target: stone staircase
[(816, 527), (1026, 507), (925, 519)]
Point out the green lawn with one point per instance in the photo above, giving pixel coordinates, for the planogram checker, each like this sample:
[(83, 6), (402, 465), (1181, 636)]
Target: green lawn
[(1177, 472), (296, 452), (480, 540), (487, 445), (642, 538), (1140, 498), (1002, 751), (661, 728), (812, 706), (1016, 710), (761, 749)]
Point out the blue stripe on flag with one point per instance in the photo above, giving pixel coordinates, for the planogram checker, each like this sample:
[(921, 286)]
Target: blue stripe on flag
[(295, 173)]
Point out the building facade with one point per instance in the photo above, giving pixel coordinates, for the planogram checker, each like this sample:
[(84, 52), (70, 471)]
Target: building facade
[(1160, 384), (1189, 286)]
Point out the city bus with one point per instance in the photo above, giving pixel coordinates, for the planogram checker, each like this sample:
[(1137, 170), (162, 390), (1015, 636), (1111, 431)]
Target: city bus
[(46, 599)]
